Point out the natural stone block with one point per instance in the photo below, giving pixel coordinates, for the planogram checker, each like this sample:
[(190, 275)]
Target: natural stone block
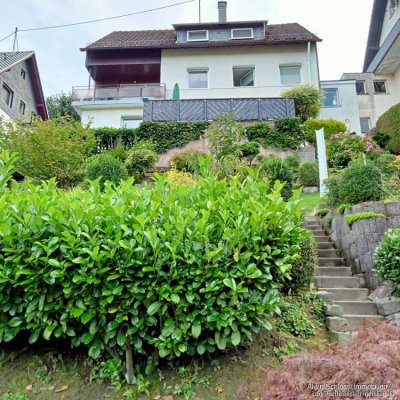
[(353, 251), (340, 337), (385, 290), (388, 305), (392, 209), (337, 324), (394, 318), (325, 296), (333, 310)]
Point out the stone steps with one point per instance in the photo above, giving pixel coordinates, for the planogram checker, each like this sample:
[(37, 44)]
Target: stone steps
[(328, 252), (333, 271), (347, 294), (325, 245), (354, 321), (322, 239), (331, 261), (358, 307), (324, 282)]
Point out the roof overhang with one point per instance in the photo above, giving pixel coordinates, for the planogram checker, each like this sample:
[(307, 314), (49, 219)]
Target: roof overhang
[(375, 31), (220, 25), (38, 90), (387, 58)]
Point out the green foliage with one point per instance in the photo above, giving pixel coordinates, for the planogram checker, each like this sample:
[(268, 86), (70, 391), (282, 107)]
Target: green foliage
[(276, 169), (317, 308), (341, 209), (119, 152), (59, 105), (343, 147), (250, 150), (288, 349), (15, 396), (56, 148), (163, 267), (381, 139), (295, 320), (303, 269), (385, 162), (389, 124), (258, 130), (288, 134), (322, 212), (107, 371), (307, 100), (141, 157), (44, 375), (109, 138), (187, 160), (309, 174), (359, 183), (331, 126), (387, 256), (351, 218), (333, 197), (224, 136), (167, 135), (293, 163), (106, 167)]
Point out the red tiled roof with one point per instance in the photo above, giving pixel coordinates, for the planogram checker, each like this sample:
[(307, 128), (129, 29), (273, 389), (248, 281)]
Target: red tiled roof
[(166, 39)]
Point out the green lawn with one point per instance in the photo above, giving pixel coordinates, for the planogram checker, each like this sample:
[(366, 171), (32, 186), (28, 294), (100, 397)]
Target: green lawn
[(310, 200)]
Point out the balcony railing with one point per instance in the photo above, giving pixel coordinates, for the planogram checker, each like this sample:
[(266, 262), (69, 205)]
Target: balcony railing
[(117, 92)]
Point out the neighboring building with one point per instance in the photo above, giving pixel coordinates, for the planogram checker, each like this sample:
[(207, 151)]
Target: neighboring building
[(21, 94), (219, 65), (378, 86), (340, 103)]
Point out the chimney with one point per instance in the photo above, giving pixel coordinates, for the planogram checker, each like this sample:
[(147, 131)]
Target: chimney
[(222, 11)]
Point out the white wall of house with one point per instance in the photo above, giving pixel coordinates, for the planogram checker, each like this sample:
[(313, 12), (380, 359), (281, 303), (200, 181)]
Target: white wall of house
[(346, 108), (4, 116), (220, 62), (112, 116), (389, 21)]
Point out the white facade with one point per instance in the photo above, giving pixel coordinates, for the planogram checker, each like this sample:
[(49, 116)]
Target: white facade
[(392, 14), (343, 104), (219, 63)]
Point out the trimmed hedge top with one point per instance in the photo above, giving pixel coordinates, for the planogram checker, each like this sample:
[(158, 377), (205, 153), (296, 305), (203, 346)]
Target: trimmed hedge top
[(351, 218)]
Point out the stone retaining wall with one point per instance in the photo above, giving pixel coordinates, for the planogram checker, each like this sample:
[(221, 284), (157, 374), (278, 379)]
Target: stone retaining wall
[(358, 243)]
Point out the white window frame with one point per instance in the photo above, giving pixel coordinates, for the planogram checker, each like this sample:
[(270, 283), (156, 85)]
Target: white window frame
[(130, 118), (252, 69), (369, 124), (243, 37), (198, 69), (385, 83), (337, 97), (294, 65), (197, 40)]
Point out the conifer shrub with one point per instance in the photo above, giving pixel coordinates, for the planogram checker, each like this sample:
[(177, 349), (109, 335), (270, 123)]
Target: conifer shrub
[(309, 174)]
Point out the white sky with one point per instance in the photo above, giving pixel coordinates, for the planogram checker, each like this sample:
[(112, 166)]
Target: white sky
[(342, 24)]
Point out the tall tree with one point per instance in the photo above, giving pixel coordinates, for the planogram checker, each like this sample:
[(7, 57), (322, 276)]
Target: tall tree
[(59, 105)]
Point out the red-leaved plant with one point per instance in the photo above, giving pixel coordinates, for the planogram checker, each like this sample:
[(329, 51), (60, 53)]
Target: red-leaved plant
[(371, 358)]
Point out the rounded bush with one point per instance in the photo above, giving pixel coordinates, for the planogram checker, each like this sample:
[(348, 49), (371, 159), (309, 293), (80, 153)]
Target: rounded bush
[(389, 124), (309, 174), (293, 163), (141, 158), (187, 160), (331, 126), (250, 149), (258, 130), (387, 256), (106, 167), (276, 169), (303, 269), (359, 183)]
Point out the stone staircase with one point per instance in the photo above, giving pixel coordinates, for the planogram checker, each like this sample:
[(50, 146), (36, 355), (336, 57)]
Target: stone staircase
[(347, 299)]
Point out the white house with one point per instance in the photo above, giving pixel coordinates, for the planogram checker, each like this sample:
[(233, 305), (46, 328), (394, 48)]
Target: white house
[(216, 66)]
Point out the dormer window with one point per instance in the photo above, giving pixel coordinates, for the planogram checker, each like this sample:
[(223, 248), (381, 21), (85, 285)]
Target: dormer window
[(197, 36), (242, 33)]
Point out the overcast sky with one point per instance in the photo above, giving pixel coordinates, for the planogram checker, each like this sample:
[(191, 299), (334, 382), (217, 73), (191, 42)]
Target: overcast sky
[(342, 24)]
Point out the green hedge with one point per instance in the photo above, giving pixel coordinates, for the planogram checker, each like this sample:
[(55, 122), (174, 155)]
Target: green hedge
[(389, 124), (109, 138), (351, 218), (331, 126), (164, 268)]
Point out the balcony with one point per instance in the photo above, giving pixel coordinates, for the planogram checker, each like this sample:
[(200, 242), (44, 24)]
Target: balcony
[(118, 92)]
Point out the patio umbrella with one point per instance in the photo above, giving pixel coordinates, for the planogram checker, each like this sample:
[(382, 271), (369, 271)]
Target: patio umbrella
[(175, 92)]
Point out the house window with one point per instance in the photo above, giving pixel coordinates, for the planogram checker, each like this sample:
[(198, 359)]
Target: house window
[(33, 116), (360, 87), (198, 78), (365, 123), (23, 73), (331, 98), (243, 76), (380, 87), (290, 74), (7, 95), (242, 33), (22, 106), (197, 36), (131, 122)]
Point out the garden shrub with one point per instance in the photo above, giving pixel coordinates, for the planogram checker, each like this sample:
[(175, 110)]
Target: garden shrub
[(55, 148), (295, 320), (120, 152), (341, 209), (293, 163), (381, 139), (250, 150), (351, 218), (108, 138), (167, 135), (322, 212), (140, 159), (333, 198), (287, 134), (343, 147), (187, 160), (276, 169), (164, 268), (307, 99), (309, 174), (360, 183), (106, 167), (384, 161), (389, 124), (303, 269), (331, 126), (258, 130), (387, 256)]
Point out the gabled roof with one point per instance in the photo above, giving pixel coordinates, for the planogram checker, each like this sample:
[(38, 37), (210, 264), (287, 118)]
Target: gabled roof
[(375, 31), (166, 39), (10, 59)]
